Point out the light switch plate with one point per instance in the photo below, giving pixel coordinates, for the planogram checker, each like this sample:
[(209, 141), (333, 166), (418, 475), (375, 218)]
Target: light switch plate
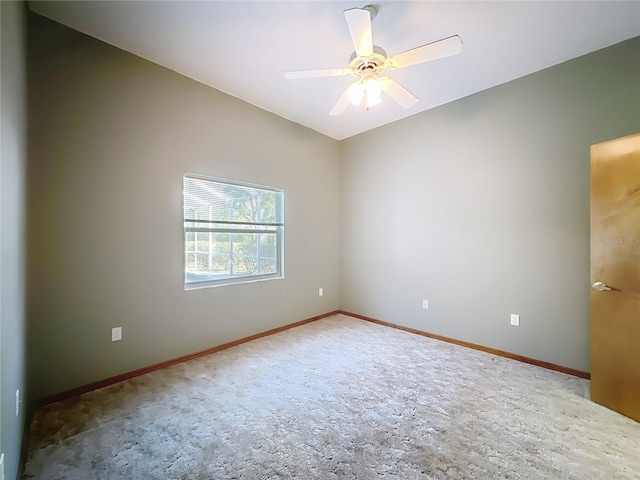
[(515, 320)]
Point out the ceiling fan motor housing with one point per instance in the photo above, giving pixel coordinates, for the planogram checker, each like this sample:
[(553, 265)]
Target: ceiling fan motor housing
[(376, 61)]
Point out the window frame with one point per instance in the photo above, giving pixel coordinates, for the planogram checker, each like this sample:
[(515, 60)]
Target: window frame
[(228, 229)]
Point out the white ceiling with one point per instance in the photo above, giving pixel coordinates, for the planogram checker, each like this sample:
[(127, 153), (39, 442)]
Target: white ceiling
[(243, 48)]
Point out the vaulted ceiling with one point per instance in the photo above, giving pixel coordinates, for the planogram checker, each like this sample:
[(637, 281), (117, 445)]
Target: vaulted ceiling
[(244, 48)]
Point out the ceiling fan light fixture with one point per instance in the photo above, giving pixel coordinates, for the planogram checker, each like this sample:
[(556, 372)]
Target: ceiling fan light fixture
[(373, 87), (356, 93), (373, 99)]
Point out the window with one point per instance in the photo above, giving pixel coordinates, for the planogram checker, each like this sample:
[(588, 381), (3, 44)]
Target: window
[(232, 232)]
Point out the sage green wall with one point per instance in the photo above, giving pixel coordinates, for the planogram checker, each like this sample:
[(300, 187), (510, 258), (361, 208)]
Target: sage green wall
[(481, 206), (13, 165), (110, 137)]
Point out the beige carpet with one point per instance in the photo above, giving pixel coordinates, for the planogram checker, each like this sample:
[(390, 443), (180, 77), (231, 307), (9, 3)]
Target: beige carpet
[(339, 398)]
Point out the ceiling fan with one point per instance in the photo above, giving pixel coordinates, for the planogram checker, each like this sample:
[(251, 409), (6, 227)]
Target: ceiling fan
[(369, 61)]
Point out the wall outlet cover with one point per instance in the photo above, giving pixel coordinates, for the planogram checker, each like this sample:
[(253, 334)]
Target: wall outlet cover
[(425, 304), (116, 334), (320, 292), (515, 320)]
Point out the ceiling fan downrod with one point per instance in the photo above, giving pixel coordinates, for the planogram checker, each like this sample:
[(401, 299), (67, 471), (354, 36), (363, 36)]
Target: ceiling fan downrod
[(372, 9)]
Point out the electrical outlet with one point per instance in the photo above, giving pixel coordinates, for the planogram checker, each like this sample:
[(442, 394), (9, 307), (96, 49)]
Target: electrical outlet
[(18, 402), (425, 304), (116, 334), (320, 292), (515, 320), (1, 466)]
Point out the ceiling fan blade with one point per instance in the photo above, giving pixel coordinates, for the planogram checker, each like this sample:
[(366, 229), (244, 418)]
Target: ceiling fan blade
[(432, 51), (400, 94), (359, 23), (327, 72), (343, 103)]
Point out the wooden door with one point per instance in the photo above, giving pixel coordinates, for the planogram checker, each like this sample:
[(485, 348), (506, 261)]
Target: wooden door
[(615, 263)]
